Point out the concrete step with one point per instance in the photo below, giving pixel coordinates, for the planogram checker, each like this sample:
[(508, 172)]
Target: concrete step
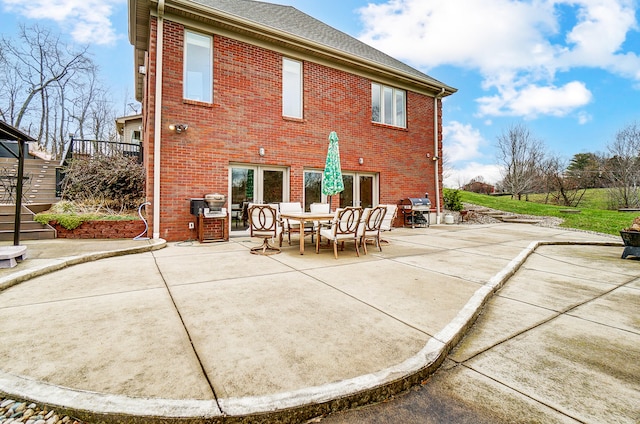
[(24, 226), (29, 229), (518, 220), (42, 234), (507, 217)]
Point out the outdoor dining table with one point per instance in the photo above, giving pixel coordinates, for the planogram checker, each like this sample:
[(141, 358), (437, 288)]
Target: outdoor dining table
[(303, 217)]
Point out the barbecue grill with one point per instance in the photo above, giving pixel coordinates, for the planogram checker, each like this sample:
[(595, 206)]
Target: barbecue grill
[(415, 211)]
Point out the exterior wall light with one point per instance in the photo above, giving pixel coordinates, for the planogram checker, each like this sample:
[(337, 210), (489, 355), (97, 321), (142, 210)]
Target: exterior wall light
[(261, 151), (178, 127), (360, 161)]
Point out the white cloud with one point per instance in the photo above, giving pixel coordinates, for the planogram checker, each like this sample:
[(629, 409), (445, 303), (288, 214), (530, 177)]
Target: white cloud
[(518, 46), (532, 101), (459, 176), (461, 142), (88, 20)]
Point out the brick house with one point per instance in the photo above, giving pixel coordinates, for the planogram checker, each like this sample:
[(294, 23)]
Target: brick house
[(250, 93)]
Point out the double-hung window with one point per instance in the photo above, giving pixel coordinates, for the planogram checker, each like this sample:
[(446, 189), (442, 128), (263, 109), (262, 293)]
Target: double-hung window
[(388, 105), (291, 88), (198, 63)]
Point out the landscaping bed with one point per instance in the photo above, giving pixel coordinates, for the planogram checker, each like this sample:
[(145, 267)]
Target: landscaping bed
[(102, 229)]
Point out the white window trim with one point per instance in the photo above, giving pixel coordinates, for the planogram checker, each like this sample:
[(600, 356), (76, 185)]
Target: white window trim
[(300, 99), (184, 71), (382, 111)]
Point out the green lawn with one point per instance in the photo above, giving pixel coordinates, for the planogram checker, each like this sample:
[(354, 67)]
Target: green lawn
[(590, 218)]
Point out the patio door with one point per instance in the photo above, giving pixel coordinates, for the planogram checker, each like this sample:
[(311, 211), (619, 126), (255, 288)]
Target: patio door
[(360, 189), (255, 184)]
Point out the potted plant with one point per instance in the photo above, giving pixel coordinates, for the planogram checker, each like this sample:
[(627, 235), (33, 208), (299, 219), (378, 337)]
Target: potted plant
[(631, 238)]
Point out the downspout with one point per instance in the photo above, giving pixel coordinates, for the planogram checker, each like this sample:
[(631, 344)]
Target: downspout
[(435, 151), (157, 127)]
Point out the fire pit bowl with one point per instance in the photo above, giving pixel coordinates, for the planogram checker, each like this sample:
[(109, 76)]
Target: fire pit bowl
[(631, 241)]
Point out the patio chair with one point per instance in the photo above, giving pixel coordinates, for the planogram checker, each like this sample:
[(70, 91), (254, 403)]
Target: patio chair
[(344, 226), (389, 218), (236, 213), (263, 222), (319, 208), (369, 228), (289, 226)]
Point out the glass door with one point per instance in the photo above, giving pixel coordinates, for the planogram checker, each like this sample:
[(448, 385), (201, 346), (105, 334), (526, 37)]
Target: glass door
[(359, 190), (254, 184)]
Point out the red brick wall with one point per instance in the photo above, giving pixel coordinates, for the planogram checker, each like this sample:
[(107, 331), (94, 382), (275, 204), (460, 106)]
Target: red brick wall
[(102, 230), (246, 114)]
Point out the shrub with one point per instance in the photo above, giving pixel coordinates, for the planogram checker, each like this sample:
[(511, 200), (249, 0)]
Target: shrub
[(71, 215), (113, 182), (452, 200)]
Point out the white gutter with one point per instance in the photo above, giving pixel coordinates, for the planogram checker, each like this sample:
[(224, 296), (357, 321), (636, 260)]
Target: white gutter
[(435, 151), (157, 128)]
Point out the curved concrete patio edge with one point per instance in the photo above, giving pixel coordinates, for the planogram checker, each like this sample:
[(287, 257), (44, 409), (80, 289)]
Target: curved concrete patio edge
[(58, 264), (287, 406)]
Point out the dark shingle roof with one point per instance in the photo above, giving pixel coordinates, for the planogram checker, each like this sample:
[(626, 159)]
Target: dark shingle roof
[(290, 20)]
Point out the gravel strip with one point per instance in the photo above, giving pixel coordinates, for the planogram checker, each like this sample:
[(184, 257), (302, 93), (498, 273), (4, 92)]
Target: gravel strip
[(16, 411)]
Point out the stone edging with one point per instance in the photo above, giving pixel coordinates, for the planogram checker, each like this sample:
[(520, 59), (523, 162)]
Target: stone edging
[(294, 406)]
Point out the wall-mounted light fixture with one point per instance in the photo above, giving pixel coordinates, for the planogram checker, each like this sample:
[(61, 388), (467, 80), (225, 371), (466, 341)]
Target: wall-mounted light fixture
[(435, 158), (261, 151), (178, 127), (360, 161), (428, 155)]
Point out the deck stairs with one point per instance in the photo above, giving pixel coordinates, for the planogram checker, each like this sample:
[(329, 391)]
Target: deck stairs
[(29, 229), (39, 193)]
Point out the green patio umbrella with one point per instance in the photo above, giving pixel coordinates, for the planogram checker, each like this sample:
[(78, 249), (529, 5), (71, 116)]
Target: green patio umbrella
[(332, 179)]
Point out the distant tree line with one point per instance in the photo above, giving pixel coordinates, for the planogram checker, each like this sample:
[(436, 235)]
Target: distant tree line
[(51, 90), (528, 167)]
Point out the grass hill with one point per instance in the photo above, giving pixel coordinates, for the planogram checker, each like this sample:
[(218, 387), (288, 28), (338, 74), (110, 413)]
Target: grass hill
[(592, 217)]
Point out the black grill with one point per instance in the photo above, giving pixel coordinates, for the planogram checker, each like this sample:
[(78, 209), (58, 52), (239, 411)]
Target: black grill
[(415, 211)]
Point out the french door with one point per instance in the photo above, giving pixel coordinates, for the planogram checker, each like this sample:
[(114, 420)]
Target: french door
[(255, 184), (360, 189)]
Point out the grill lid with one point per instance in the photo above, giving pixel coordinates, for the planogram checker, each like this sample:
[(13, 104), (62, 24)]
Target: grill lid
[(420, 201)]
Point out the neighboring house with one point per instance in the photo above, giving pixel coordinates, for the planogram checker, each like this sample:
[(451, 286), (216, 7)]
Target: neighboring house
[(479, 187), (129, 128), (250, 93)]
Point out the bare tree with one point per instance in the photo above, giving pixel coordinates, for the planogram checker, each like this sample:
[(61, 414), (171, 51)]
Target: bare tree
[(51, 89), (622, 169), (561, 187), (521, 156)]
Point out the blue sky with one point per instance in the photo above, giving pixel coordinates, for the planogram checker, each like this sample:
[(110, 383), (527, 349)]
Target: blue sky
[(569, 70)]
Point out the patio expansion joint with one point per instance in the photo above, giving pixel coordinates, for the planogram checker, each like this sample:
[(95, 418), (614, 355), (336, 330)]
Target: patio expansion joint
[(369, 305), (184, 326), (522, 393), (556, 315), (72, 299), (419, 366)]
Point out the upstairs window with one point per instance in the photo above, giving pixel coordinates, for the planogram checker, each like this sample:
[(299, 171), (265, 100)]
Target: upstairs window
[(198, 81), (291, 88), (388, 105)]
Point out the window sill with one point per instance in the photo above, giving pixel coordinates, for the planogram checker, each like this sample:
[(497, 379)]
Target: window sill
[(391, 127), (197, 103), (291, 119)]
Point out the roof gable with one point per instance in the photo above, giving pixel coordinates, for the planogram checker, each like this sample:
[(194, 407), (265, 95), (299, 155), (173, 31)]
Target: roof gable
[(283, 25), (290, 20)]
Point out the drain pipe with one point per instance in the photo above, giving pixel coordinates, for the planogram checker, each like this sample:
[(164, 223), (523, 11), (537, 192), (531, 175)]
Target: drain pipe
[(157, 128), (435, 151)]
